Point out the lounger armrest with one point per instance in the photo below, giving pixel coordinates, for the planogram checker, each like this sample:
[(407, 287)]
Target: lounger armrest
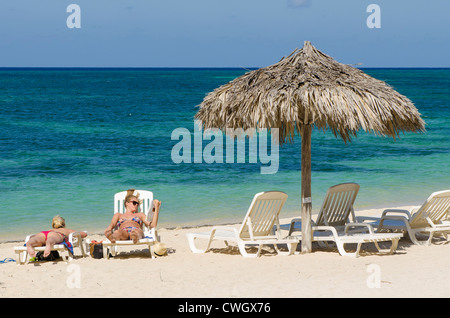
[(415, 209), (396, 211), (395, 218), (299, 220), (361, 219), (225, 228), (81, 232), (361, 225), (151, 232), (331, 229), (291, 225), (75, 234), (28, 237)]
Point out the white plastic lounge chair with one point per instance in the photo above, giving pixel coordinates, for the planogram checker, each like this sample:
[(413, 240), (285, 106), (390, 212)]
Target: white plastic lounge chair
[(74, 238), (150, 235), (337, 207), (329, 233), (429, 219), (332, 224), (256, 228)]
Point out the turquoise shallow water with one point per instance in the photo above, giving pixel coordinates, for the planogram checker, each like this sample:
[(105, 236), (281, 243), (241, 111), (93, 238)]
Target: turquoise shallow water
[(71, 138)]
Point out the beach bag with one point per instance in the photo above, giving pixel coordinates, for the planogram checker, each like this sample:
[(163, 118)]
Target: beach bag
[(96, 249), (54, 255)]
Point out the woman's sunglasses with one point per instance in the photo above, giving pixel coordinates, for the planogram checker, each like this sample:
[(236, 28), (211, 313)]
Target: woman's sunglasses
[(135, 203)]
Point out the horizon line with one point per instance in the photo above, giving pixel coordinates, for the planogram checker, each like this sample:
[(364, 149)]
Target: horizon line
[(194, 67)]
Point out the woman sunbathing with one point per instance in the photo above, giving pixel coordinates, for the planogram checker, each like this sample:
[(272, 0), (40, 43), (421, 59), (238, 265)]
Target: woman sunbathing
[(129, 224), (57, 235)]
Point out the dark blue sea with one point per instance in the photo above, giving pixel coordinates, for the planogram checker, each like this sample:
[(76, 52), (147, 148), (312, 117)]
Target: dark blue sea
[(71, 138)]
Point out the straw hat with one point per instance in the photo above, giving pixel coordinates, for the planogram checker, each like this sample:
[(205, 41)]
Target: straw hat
[(159, 249)]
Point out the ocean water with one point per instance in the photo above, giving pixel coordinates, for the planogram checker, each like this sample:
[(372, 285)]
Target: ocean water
[(71, 138)]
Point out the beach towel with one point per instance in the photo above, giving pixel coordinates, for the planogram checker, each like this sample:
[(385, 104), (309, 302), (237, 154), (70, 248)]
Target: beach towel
[(68, 245)]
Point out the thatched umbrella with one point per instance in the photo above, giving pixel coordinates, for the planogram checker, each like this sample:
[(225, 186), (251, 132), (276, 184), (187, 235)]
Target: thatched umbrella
[(305, 89)]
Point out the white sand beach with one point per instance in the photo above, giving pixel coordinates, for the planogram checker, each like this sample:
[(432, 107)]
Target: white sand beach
[(413, 271)]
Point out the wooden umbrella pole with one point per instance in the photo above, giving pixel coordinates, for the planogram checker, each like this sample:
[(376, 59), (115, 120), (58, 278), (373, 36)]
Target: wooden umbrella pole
[(306, 189)]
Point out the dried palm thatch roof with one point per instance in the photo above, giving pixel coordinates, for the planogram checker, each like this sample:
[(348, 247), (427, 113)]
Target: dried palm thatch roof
[(309, 87)]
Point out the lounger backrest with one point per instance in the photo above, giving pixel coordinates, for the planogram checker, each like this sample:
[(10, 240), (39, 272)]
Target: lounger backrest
[(435, 208), (338, 204), (145, 206), (262, 214)]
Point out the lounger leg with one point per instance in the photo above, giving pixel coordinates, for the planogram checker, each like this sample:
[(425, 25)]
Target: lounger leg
[(391, 250), (105, 252), (113, 250), (244, 253), (21, 257), (86, 249), (191, 239), (81, 246), (343, 252), (66, 256), (412, 236), (292, 247), (444, 235), (150, 250)]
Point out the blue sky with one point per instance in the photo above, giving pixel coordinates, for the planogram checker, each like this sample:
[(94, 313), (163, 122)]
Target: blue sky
[(213, 33)]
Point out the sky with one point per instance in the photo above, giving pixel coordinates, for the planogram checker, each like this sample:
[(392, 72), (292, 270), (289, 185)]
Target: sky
[(221, 33)]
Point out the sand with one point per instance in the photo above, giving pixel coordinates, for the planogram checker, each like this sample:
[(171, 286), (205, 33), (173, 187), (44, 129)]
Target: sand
[(413, 271)]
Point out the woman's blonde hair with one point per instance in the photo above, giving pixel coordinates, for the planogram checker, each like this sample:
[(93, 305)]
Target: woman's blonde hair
[(130, 194), (58, 222)]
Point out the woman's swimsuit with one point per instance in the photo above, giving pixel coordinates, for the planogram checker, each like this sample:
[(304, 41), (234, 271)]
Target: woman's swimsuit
[(134, 219), (46, 234), (129, 229)]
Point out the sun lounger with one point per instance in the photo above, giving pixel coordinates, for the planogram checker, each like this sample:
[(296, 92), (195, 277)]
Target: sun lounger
[(429, 219), (333, 225), (256, 228), (150, 235), (336, 209), (74, 239), (351, 236)]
